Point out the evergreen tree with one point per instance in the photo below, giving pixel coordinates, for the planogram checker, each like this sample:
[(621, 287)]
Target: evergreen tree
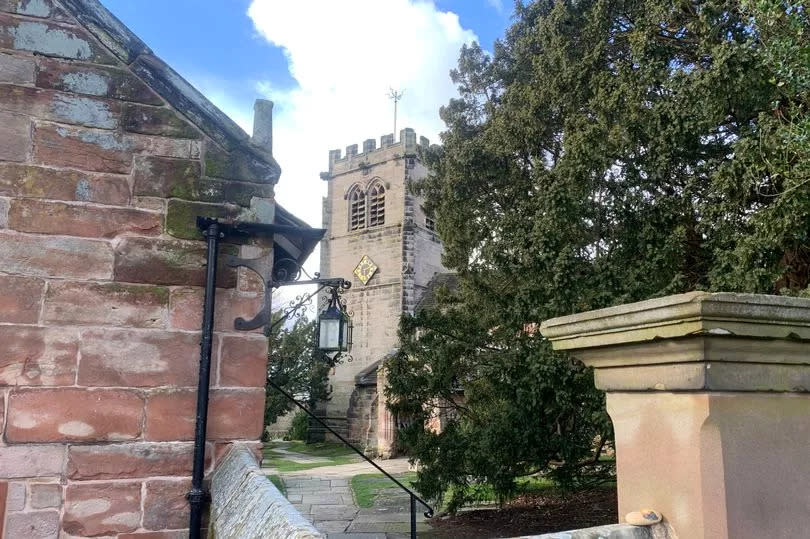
[(608, 151), (296, 365)]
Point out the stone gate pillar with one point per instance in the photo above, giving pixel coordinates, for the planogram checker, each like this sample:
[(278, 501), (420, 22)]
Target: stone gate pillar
[(709, 397)]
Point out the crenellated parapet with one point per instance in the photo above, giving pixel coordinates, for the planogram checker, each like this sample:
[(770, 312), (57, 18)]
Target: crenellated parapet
[(372, 155)]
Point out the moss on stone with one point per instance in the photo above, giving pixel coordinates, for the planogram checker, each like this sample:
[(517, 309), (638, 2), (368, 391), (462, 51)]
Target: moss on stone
[(181, 217)]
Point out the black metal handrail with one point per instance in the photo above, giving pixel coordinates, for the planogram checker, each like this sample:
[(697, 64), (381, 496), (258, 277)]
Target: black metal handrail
[(413, 497)]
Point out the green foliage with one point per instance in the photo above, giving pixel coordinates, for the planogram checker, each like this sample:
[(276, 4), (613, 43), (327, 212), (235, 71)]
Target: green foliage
[(296, 365), (606, 152), (299, 427)]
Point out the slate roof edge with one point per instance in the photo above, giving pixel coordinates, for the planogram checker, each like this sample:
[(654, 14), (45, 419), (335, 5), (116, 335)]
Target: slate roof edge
[(282, 215), (166, 82)]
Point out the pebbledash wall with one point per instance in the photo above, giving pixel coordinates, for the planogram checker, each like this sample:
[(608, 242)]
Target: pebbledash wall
[(106, 158)]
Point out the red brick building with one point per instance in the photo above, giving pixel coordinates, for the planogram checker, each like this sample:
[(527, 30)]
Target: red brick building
[(106, 158)]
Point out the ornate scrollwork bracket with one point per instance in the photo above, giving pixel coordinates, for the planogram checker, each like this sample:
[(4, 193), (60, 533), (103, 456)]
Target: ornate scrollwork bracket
[(283, 272)]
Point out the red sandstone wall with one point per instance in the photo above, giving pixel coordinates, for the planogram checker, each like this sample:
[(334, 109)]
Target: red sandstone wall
[(100, 291)]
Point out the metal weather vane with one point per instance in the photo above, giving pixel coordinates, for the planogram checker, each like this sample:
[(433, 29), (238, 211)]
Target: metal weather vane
[(395, 96)]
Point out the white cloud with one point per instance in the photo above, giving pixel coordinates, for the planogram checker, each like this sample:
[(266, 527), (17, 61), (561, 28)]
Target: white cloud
[(345, 56), (497, 5)]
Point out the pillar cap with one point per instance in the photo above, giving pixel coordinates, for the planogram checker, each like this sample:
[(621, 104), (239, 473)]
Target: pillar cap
[(693, 342), (690, 314)]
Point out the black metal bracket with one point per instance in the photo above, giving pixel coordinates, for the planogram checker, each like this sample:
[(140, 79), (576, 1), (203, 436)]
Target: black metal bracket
[(274, 274)]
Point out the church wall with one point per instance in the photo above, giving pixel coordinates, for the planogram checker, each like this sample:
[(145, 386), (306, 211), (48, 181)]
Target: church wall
[(374, 306)]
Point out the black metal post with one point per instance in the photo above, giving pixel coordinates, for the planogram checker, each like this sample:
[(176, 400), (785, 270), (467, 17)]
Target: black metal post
[(197, 496), (413, 517)]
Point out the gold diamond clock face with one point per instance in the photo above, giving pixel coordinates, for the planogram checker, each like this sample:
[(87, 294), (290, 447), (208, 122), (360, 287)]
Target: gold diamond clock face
[(365, 270)]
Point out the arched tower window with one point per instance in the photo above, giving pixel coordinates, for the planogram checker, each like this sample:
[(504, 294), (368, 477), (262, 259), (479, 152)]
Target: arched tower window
[(357, 209), (376, 204)]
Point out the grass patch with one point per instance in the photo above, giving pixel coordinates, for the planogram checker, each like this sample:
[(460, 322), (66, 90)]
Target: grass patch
[(367, 486), (333, 455), (277, 481), (483, 494)]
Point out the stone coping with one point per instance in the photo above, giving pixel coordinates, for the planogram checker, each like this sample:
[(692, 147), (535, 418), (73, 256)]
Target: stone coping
[(613, 531), (245, 504), (693, 313)]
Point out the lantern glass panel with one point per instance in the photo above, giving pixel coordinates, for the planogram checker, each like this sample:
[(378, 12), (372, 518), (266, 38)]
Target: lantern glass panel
[(329, 334)]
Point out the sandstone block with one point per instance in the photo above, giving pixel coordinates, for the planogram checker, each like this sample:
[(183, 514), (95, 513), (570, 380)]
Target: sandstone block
[(103, 304), (139, 358), (243, 362), (102, 508), (3, 213), (167, 262), (49, 39), (72, 414), (33, 356), (60, 107), (55, 256), (16, 70), (18, 180), (156, 121), (181, 216), (130, 460), (3, 496), (20, 299), (15, 132), (186, 304), (163, 177), (82, 148), (232, 414), (33, 524), (41, 217), (238, 165), (32, 8), (165, 534), (45, 495), (165, 146), (94, 80), (17, 461), (165, 506), (15, 500)]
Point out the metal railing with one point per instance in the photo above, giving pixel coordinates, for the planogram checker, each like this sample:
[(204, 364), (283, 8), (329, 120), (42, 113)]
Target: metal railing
[(413, 497)]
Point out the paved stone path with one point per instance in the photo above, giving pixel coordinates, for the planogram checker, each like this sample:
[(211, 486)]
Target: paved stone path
[(300, 458), (324, 496)]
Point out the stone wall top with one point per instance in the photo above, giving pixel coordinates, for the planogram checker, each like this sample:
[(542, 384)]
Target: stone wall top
[(371, 155), (693, 313), (245, 504), (613, 531)]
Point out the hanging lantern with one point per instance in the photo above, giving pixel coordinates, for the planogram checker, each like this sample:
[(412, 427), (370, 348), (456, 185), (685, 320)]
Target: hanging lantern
[(334, 328)]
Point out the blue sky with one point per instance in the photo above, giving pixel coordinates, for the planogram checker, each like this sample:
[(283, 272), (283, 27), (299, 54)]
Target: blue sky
[(326, 64)]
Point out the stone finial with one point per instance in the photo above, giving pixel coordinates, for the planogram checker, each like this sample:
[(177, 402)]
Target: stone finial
[(351, 150), (263, 124), (369, 145), (386, 140)]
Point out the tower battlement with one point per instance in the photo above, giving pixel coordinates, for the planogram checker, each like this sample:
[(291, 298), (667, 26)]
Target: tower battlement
[(372, 155)]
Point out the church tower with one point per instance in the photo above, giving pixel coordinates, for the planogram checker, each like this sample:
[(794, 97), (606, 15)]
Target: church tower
[(378, 235)]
